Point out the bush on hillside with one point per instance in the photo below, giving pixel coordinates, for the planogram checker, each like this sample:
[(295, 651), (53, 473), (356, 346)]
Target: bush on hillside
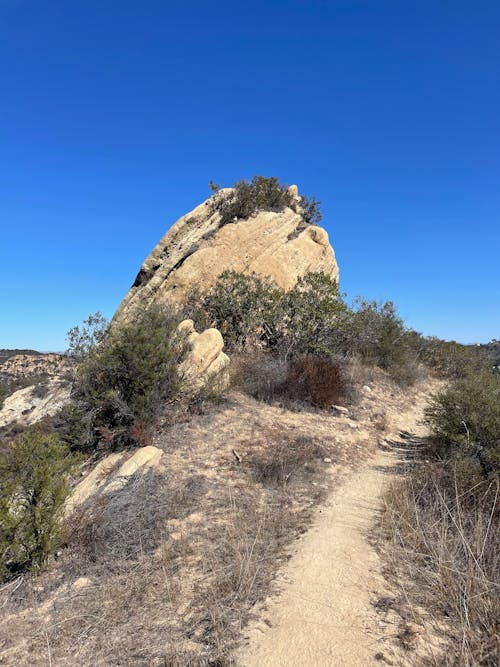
[(33, 472), (312, 318), (376, 332), (449, 358), (319, 381), (245, 308), (250, 310), (465, 420), (126, 380)]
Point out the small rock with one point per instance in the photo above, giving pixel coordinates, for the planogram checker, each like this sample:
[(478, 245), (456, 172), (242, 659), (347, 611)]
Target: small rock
[(81, 582), (327, 460), (367, 389), (339, 410)]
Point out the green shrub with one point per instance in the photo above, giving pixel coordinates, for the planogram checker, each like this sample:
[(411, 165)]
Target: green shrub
[(33, 472), (311, 210), (376, 332), (249, 197), (465, 420), (312, 316), (250, 310), (81, 340), (243, 307), (261, 194), (449, 358), (126, 380)]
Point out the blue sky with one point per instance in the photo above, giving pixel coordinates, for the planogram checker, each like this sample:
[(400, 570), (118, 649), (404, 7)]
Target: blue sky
[(114, 116)]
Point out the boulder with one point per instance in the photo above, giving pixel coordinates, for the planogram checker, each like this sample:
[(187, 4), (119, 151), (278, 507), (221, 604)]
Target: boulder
[(198, 248), (111, 475), (205, 359)]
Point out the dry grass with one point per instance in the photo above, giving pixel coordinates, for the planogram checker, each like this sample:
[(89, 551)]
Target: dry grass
[(174, 565), (177, 561), (441, 529)]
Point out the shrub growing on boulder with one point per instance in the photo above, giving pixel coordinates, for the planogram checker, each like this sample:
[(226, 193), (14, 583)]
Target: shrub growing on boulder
[(261, 194)]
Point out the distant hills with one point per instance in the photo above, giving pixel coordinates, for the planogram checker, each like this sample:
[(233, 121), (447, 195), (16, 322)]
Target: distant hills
[(494, 347), (7, 354)]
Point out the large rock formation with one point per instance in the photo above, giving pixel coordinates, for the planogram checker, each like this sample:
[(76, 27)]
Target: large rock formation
[(197, 249)]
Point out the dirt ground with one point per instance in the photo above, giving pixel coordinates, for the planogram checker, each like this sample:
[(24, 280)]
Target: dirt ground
[(331, 606)]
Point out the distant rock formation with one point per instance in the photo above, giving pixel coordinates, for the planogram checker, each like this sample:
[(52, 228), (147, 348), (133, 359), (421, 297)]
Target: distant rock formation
[(198, 248), (28, 405)]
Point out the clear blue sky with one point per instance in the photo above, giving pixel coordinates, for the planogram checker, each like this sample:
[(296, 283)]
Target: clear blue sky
[(115, 115)]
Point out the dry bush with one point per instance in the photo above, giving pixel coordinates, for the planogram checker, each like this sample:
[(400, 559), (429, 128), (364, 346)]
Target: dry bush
[(280, 464), (259, 374), (407, 373), (310, 381), (240, 559), (319, 381), (441, 528), (119, 530)]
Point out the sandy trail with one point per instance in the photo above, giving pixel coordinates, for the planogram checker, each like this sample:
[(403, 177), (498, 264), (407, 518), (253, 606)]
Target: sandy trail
[(324, 613)]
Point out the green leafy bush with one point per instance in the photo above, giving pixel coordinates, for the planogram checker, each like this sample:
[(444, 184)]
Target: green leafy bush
[(449, 358), (311, 318), (82, 339), (33, 473), (249, 197), (376, 332), (126, 380), (311, 210), (465, 420), (250, 310), (243, 307)]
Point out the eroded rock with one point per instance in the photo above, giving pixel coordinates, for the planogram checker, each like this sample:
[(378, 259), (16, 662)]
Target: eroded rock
[(197, 249)]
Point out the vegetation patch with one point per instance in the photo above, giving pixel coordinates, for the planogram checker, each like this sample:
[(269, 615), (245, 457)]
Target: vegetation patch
[(247, 198), (34, 470)]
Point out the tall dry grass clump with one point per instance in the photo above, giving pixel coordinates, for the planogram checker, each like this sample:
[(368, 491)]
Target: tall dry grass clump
[(441, 528)]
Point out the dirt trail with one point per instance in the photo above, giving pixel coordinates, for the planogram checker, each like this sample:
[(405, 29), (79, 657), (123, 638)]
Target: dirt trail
[(324, 613)]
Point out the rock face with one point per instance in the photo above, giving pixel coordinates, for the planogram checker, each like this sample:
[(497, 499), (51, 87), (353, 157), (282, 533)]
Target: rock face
[(26, 407), (205, 358), (197, 249)]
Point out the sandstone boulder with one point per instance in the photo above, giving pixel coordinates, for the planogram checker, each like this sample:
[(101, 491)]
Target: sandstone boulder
[(198, 248), (205, 359)]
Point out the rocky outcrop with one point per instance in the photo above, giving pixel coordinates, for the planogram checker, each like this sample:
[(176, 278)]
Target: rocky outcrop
[(205, 359), (111, 475), (25, 365), (26, 406), (197, 249)]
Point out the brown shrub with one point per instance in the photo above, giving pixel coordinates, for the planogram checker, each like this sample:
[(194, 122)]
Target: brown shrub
[(317, 380)]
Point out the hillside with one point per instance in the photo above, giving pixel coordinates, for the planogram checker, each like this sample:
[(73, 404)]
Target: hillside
[(168, 570)]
